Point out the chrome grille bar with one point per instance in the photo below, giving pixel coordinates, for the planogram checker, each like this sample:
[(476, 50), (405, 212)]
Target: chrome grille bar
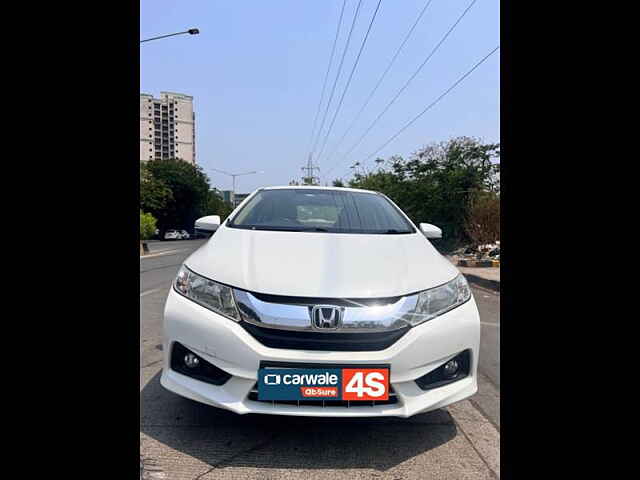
[(356, 318)]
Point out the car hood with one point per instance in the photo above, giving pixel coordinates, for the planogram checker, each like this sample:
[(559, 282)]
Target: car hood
[(317, 264)]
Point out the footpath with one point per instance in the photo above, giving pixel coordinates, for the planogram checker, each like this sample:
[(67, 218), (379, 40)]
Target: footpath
[(486, 277)]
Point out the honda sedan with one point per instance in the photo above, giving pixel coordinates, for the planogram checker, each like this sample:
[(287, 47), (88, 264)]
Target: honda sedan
[(320, 301)]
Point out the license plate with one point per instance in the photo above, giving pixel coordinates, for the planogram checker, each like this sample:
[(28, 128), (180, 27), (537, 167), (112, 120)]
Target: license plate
[(331, 383)]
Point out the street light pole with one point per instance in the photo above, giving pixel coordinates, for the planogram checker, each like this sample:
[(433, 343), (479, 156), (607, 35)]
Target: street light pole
[(234, 175), (191, 31)]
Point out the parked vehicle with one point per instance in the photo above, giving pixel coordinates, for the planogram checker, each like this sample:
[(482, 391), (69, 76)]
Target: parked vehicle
[(172, 235), (349, 313), (185, 235)]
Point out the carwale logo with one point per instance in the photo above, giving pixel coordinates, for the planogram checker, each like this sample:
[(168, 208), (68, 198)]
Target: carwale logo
[(272, 379)]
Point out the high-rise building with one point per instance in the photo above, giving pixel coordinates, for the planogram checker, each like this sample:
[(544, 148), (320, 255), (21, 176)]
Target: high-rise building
[(167, 127)]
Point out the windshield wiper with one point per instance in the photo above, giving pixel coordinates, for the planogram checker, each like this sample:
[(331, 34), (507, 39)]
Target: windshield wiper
[(315, 229), (394, 231), (273, 228)]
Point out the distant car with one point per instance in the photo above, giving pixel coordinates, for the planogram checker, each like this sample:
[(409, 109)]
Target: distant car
[(185, 235), (172, 235)]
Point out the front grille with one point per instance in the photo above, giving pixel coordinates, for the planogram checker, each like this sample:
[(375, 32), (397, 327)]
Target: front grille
[(344, 302), (317, 341), (393, 399)]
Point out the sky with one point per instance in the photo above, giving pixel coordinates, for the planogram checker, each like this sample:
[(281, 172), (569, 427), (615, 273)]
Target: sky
[(256, 72)]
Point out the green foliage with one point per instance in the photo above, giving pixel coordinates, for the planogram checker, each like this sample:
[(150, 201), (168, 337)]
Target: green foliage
[(217, 206), (189, 188), (338, 183), (147, 225), (154, 194), (437, 183)]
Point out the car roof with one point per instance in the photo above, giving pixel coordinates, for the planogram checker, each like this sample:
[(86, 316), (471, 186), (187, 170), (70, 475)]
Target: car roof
[(317, 187)]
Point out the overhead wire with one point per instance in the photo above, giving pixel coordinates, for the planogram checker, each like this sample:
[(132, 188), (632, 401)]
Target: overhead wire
[(382, 77), (326, 75), (346, 87), (432, 104), (406, 84), (333, 88)]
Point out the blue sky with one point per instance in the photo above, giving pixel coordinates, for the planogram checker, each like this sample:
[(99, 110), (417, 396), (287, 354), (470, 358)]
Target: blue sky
[(257, 67)]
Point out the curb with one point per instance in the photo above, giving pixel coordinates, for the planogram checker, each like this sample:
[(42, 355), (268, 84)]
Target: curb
[(479, 432), (483, 282), (479, 263)]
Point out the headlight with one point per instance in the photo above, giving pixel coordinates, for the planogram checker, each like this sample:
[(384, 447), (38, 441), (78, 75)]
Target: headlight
[(209, 294), (436, 301)]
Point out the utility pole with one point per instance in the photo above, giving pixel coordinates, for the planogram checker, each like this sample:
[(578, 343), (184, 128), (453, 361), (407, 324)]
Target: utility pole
[(310, 178)]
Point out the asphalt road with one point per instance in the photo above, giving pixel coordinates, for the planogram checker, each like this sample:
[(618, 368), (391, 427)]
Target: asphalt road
[(182, 439)]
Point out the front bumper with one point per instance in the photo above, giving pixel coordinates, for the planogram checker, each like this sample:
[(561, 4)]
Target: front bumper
[(228, 346)]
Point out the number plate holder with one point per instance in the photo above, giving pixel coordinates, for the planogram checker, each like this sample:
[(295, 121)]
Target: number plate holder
[(290, 381)]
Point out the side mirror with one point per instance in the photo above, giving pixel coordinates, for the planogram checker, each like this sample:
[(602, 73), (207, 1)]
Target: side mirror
[(430, 231), (209, 223)]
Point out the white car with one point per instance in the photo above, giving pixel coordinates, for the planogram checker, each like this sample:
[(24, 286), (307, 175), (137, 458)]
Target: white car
[(355, 317), (184, 235), (172, 235)]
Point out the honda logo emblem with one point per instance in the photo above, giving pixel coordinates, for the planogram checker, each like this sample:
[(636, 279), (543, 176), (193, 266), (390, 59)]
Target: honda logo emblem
[(326, 317)]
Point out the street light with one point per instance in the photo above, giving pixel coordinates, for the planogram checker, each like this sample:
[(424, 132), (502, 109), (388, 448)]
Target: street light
[(191, 31), (234, 175)]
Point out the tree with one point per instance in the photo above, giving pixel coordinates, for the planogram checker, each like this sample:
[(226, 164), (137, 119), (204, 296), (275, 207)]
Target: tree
[(338, 182), (189, 188), (217, 206), (154, 194), (437, 182)]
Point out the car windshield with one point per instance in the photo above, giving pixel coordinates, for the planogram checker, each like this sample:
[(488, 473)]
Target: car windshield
[(334, 211)]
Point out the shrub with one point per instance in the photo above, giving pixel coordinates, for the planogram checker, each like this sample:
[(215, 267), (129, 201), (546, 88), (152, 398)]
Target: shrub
[(147, 225), (483, 220)]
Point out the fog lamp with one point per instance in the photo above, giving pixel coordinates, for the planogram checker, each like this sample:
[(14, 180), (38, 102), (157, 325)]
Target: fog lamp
[(451, 368), (191, 361)]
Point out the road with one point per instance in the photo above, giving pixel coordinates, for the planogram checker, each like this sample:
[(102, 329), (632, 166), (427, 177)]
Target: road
[(181, 439)]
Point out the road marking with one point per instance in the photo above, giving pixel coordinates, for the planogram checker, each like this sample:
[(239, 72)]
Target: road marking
[(162, 253), (149, 292), (490, 324)]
